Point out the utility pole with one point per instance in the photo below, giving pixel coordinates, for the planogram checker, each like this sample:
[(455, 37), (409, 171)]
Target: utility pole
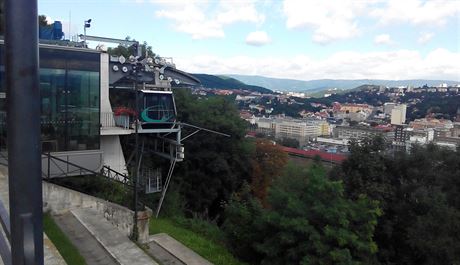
[(24, 148), (135, 234), (86, 25)]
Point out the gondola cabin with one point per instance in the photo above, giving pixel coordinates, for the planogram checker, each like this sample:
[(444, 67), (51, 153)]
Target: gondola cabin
[(157, 109)]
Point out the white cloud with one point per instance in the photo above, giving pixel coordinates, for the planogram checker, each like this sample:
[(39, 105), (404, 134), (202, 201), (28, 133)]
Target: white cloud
[(383, 39), (401, 64), (425, 37), (329, 20), (432, 12), (258, 38), (238, 11), (203, 19), (189, 17)]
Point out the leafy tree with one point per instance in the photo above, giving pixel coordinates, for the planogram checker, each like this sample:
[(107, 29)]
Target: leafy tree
[(418, 193), (309, 221), (127, 51), (242, 225), (42, 21), (215, 166), (267, 164)]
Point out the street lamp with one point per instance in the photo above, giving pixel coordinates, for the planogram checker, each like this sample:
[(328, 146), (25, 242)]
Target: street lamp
[(86, 25)]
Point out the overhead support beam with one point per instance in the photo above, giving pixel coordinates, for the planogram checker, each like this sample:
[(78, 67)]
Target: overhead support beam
[(109, 40)]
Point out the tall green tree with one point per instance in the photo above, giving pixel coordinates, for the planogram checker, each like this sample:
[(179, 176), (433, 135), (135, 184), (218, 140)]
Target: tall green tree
[(419, 195), (309, 221), (214, 166), (267, 164)]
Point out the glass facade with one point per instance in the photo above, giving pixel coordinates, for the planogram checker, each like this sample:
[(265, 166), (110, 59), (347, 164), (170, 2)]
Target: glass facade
[(70, 100)]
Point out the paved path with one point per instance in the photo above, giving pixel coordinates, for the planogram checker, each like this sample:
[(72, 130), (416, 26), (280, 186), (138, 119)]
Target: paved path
[(87, 245), (161, 254), (118, 245), (52, 256), (178, 250)]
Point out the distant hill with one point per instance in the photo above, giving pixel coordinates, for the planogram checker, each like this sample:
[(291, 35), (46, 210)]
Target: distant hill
[(321, 93), (225, 82), (323, 84)]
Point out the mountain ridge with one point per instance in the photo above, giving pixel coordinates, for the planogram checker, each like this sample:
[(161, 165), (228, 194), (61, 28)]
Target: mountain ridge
[(227, 82), (282, 84)]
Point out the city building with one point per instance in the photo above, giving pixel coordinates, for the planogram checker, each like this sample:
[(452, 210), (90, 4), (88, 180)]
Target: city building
[(398, 114), (301, 130), (388, 107), (358, 132), (431, 123), (355, 108)]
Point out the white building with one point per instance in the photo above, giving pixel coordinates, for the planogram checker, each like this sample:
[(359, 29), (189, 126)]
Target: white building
[(301, 130), (398, 114), (388, 107)]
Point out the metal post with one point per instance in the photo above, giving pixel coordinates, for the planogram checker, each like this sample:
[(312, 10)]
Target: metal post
[(136, 168), (84, 30), (49, 165), (23, 110)]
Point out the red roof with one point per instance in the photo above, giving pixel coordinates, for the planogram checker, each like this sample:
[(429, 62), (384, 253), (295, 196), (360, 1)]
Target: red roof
[(337, 158)]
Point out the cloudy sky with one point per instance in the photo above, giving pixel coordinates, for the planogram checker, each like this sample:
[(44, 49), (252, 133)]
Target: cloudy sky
[(299, 39)]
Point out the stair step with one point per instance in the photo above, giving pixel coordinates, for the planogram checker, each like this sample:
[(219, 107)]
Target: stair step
[(82, 239)]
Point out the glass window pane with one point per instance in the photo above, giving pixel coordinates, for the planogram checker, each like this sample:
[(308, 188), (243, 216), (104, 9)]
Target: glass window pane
[(53, 110), (83, 110)]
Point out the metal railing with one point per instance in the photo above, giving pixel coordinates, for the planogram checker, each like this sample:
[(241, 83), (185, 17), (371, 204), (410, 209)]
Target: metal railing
[(113, 174), (106, 172), (109, 119)]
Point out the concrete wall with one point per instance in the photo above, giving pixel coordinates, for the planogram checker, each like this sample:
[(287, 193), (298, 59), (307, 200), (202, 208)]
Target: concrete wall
[(113, 153), (105, 102), (57, 199)]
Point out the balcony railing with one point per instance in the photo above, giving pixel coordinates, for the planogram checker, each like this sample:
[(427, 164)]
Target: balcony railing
[(109, 119)]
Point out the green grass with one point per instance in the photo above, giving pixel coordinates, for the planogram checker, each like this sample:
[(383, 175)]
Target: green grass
[(62, 243), (209, 249)]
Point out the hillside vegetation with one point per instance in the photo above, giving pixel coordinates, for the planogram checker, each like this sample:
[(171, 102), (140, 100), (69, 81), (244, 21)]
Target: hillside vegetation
[(225, 82)]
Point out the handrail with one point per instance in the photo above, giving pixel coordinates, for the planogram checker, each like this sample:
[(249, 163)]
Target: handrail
[(109, 119), (82, 169), (126, 180), (116, 174)]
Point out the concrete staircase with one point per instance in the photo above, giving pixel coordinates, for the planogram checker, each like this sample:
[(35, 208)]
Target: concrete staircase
[(91, 250), (119, 246)]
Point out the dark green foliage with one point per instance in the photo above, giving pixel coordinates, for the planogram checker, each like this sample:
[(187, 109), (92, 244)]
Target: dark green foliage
[(419, 195), (214, 165), (224, 82), (442, 105), (128, 51), (42, 21), (242, 226), (309, 221), (174, 204)]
